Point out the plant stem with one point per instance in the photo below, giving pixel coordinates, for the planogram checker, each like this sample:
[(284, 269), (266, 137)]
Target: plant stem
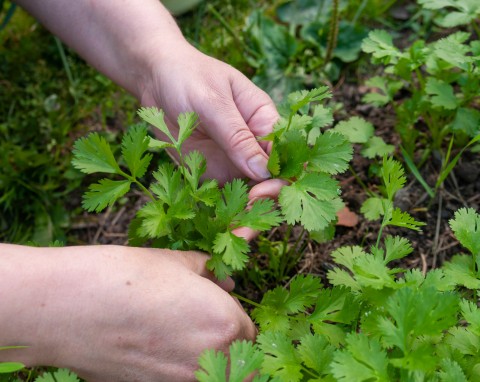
[(333, 33), (144, 189), (247, 300), (362, 184)]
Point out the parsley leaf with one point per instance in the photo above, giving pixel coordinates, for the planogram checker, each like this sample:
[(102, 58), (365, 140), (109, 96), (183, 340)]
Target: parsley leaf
[(134, 145), (281, 360), (466, 227), (104, 193), (356, 129), (312, 201), (363, 359), (245, 358), (331, 153), (232, 248), (93, 154)]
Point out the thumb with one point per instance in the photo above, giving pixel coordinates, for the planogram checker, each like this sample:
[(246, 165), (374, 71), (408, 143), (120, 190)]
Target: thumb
[(228, 128)]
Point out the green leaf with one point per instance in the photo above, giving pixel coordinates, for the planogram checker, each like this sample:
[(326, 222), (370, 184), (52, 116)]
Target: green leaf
[(297, 100), (362, 360), (370, 271), (322, 116), (379, 43), (464, 341), (155, 117), (93, 154), (245, 358), (196, 166), (467, 120), (154, 220), (10, 367), (232, 248), (273, 164), (213, 367), (234, 200), (187, 122), (218, 266), (171, 190), (466, 227), (134, 145), (278, 303), (104, 193), (316, 353), (356, 129), (403, 219), (292, 154), (346, 255), (460, 270), (471, 313), (452, 50), (281, 360), (156, 144), (441, 93), (61, 375), (331, 153), (373, 208), (376, 147), (393, 176), (396, 247), (312, 201), (451, 372), (424, 311), (337, 305), (261, 216)]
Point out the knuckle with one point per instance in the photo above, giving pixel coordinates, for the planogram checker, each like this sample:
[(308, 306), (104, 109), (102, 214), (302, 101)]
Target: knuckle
[(240, 139)]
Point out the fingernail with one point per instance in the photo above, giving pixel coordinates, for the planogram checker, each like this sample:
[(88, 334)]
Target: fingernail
[(258, 165)]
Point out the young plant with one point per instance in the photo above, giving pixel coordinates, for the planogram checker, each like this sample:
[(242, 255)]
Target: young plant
[(374, 322), (185, 212), (374, 207), (442, 79)]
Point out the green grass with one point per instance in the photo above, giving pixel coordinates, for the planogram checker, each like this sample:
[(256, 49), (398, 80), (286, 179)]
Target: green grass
[(49, 97)]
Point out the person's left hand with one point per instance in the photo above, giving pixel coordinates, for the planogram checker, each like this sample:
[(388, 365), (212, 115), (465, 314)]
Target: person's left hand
[(232, 110)]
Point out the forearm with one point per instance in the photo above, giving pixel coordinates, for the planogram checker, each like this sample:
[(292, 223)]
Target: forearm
[(25, 282), (118, 37)]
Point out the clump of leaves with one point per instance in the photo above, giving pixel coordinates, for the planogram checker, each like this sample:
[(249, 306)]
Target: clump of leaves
[(454, 13), (374, 322), (186, 212), (441, 76), (441, 79), (306, 43)]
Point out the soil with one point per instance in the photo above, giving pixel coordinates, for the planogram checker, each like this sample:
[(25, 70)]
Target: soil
[(433, 245)]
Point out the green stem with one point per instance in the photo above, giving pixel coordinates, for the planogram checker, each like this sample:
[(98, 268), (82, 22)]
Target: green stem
[(362, 184), (332, 33), (66, 66), (140, 185), (144, 189), (247, 300), (380, 231)]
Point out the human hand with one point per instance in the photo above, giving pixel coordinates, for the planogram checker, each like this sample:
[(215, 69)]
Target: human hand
[(114, 313), (233, 112)]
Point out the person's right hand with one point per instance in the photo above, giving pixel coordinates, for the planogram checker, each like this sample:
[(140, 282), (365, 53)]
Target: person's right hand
[(113, 313)]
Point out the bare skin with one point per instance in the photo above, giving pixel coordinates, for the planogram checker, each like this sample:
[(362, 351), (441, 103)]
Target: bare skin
[(128, 314), (115, 313)]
